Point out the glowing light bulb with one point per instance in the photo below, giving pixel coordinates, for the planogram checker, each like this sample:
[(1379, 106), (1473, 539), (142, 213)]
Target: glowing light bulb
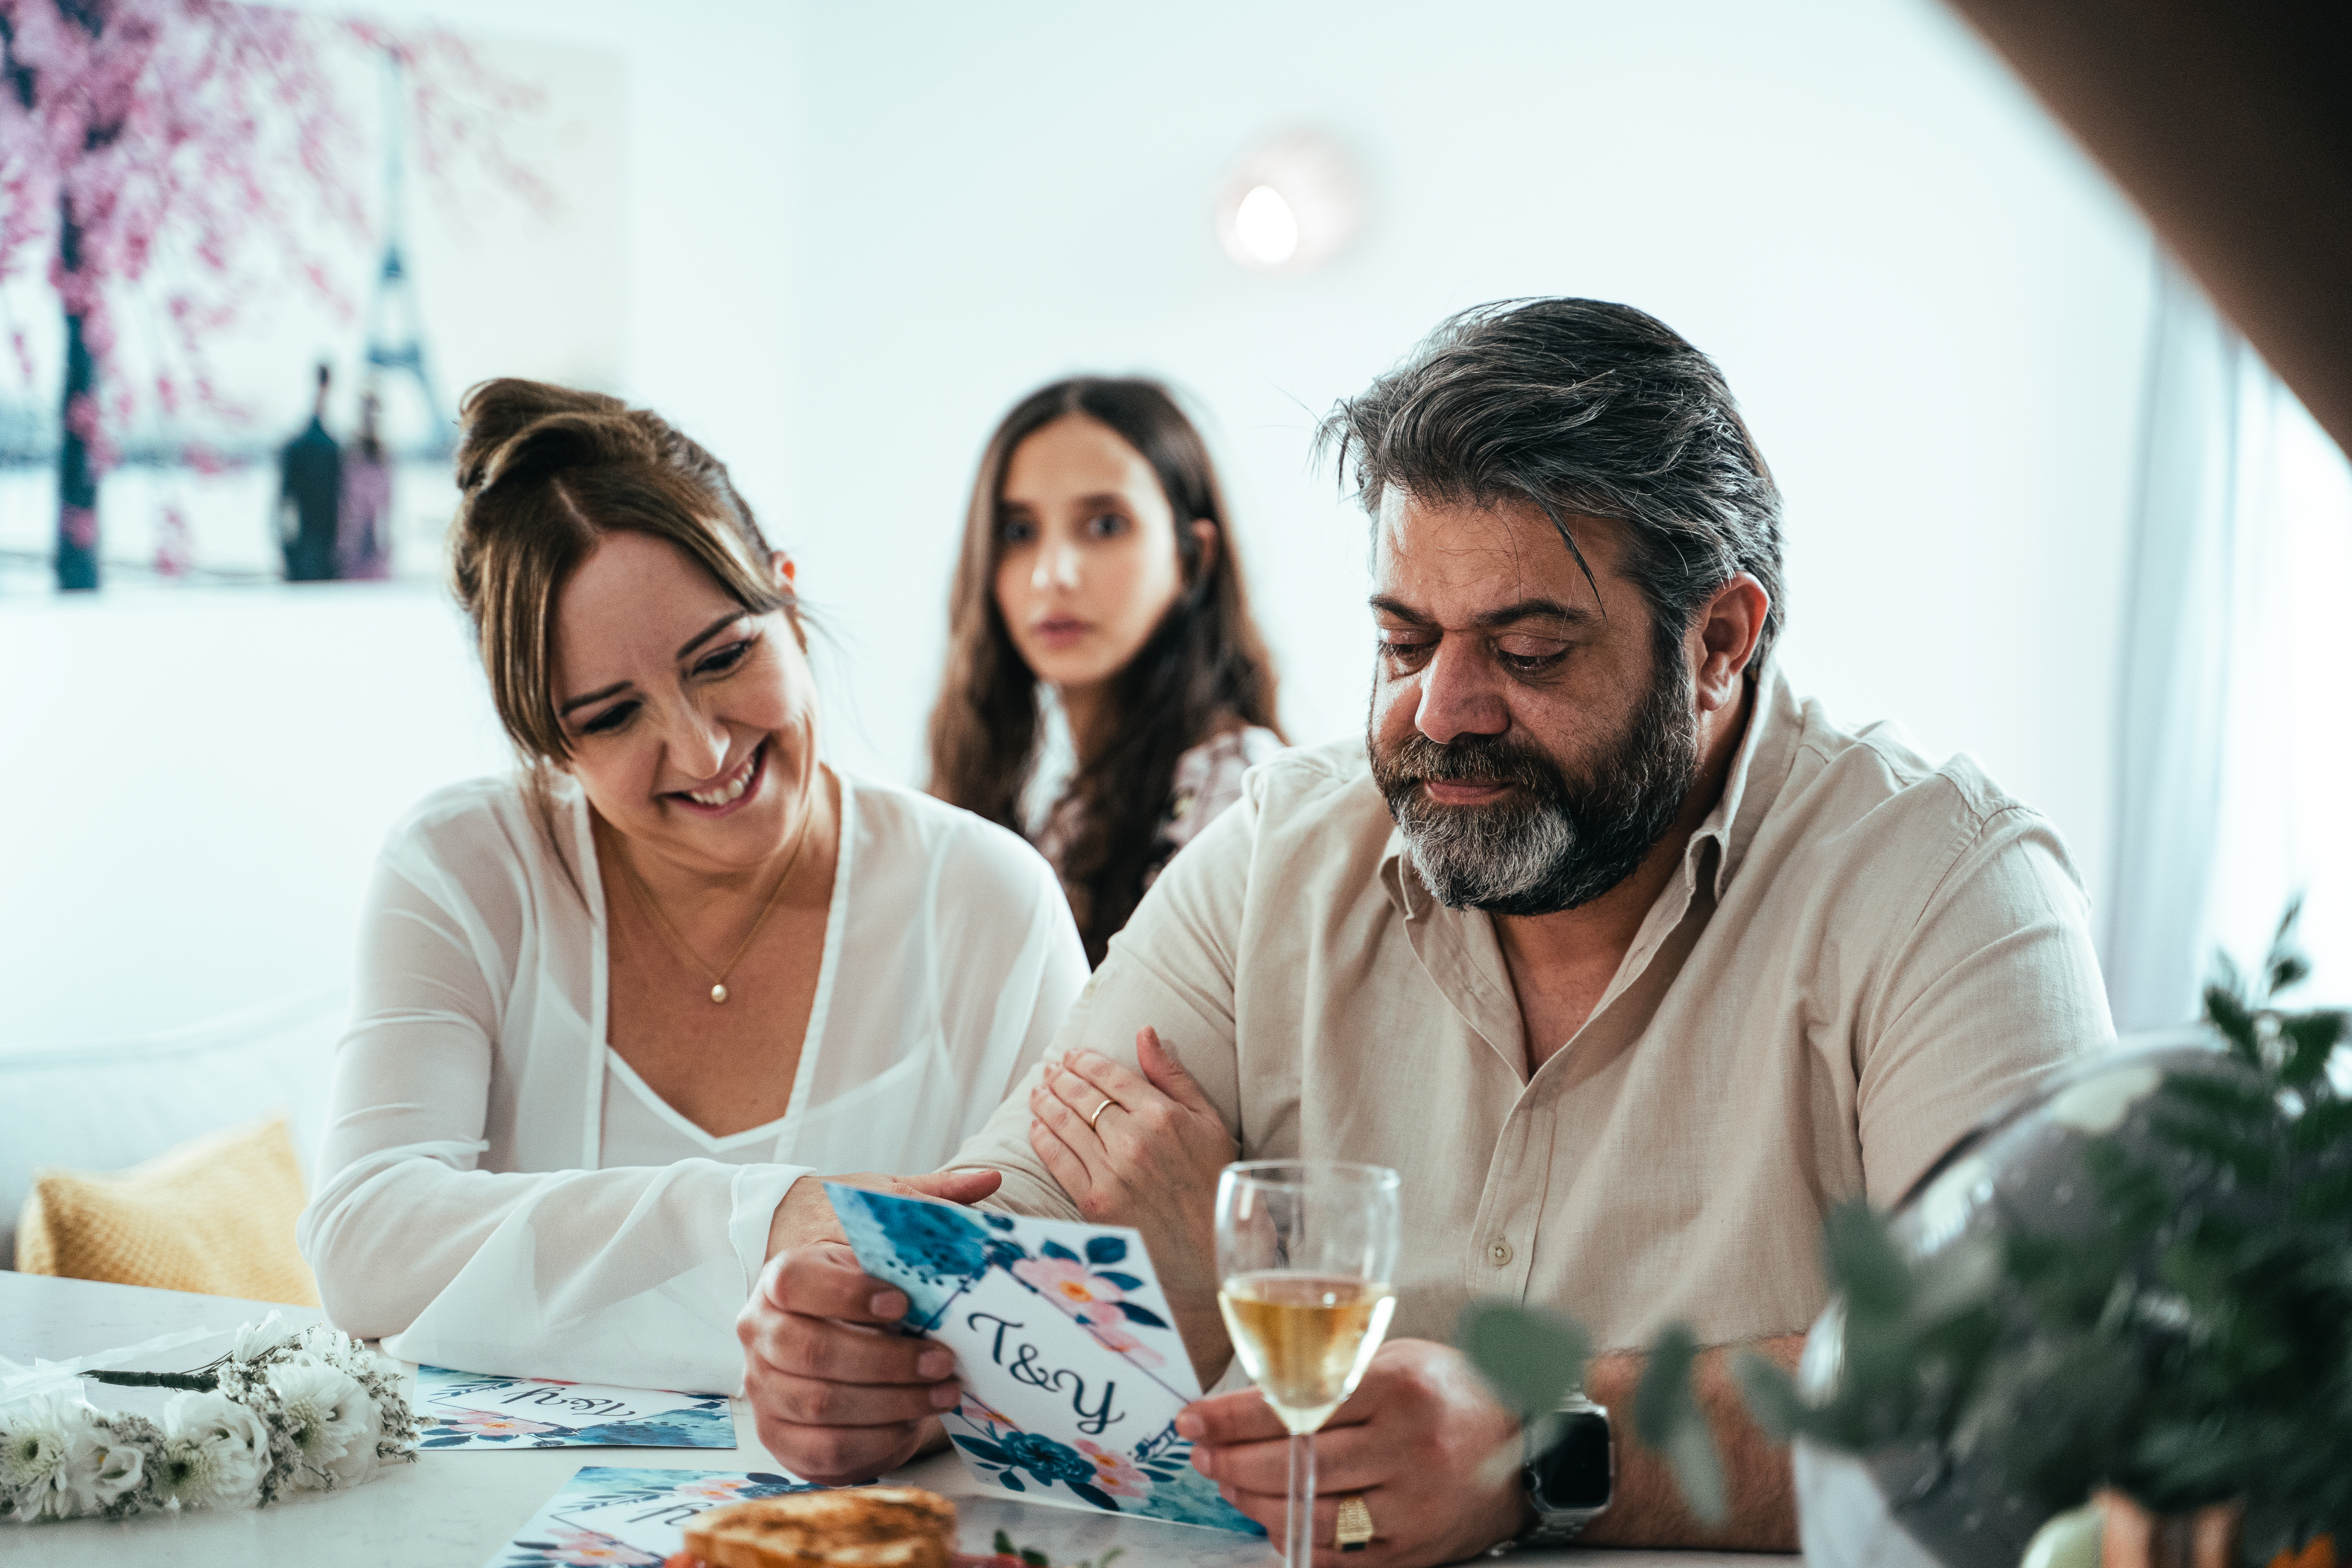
[(1266, 227), (1290, 205)]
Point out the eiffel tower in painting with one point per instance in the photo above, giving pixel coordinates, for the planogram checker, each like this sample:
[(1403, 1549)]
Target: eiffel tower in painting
[(395, 325)]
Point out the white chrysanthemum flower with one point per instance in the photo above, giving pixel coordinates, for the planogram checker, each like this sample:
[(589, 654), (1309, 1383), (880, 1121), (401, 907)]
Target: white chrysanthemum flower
[(37, 1449), (326, 1412), (215, 1451), (325, 1343), (338, 1349), (257, 1339)]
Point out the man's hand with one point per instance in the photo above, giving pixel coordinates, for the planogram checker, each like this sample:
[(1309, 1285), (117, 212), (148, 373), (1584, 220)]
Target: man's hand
[(836, 1394), (1413, 1440)]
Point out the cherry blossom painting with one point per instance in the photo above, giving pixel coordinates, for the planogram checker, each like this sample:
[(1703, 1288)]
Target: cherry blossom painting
[(249, 259)]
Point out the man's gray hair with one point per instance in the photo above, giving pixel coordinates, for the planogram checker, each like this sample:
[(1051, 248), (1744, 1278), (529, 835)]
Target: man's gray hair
[(1583, 408)]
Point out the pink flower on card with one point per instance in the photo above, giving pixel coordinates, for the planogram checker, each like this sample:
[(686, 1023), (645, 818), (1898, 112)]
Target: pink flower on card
[(1090, 1298), (1125, 1344), (491, 1424), (593, 1549), (1116, 1473), (717, 1488), (980, 1414)]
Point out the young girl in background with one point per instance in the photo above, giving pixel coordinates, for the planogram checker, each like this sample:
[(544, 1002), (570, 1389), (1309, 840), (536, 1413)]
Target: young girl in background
[(1098, 563)]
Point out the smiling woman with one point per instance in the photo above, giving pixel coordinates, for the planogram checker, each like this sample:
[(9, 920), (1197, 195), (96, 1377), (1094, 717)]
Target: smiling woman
[(611, 1011)]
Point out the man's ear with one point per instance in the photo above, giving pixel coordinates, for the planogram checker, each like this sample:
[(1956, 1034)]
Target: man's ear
[(1208, 534), (1726, 633)]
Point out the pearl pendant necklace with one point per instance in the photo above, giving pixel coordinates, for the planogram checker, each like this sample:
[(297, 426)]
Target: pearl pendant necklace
[(718, 976)]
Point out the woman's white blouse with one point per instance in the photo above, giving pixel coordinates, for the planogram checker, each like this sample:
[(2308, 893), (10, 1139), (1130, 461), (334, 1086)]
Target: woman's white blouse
[(500, 1192)]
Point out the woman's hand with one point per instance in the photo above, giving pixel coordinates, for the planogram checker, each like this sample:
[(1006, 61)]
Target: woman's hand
[(806, 1215), (840, 1395), (1145, 1151)]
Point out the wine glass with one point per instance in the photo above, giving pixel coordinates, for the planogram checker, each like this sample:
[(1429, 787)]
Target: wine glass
[(1306, 1252)]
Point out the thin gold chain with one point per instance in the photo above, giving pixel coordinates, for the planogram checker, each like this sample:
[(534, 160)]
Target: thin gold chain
[(718, 976)]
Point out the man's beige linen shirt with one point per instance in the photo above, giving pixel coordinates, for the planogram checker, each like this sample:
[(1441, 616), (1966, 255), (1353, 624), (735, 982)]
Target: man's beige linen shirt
[(1862, 954)]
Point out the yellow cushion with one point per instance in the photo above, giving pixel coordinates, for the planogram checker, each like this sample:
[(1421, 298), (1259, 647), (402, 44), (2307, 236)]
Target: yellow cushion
[(214, 1216)]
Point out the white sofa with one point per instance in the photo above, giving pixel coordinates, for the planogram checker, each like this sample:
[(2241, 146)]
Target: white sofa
[(104, 1106)]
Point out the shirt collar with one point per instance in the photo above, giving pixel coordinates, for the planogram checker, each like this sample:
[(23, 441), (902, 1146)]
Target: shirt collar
[(1766, 748)]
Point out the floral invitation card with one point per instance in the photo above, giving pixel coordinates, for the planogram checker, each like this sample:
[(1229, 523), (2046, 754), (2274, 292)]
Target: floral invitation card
[(1072, 1368), (469, 1410), (627, 1516)]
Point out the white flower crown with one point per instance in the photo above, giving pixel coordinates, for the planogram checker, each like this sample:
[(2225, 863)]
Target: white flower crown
[(306, 1409)]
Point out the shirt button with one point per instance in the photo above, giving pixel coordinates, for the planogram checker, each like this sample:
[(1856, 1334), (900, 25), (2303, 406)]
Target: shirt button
[(1499, 1254)]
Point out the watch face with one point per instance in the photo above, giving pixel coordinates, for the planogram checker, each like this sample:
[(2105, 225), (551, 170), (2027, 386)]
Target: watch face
[(1573, 1473)]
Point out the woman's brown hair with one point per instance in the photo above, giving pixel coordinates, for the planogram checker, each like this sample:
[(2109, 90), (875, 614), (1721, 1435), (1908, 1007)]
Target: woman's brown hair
[(543, 473), (1203, 669)]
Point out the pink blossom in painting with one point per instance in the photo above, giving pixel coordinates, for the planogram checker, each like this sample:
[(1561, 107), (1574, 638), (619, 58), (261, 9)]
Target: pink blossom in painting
[(183, 159), (1090, 1298)]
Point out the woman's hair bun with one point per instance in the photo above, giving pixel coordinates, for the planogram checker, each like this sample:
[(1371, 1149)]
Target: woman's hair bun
[(543, 473), (521, 429)]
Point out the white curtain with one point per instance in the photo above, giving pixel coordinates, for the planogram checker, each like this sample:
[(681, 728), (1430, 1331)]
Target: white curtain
[(2235, 739)]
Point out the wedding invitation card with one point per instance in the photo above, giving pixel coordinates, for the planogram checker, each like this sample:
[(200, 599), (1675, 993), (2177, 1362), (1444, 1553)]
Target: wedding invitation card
[(469, 1410), (1071, 1366), (629, 1517)]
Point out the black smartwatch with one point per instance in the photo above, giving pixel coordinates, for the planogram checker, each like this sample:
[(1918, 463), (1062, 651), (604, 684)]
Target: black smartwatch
[(1570, 1469)]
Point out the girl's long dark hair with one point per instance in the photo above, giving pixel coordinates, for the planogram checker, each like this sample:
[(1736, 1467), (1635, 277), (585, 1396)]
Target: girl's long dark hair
[(1205, 670)]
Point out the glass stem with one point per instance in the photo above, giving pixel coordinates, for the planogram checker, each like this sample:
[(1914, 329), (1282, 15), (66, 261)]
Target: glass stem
[(1298, 1522)]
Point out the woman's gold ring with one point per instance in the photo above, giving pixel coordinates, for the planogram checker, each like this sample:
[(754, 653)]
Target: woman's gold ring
[(1105, 1105), (1353, 1530)]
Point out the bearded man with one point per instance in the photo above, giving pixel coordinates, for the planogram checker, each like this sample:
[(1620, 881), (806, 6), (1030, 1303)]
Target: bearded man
[(1632, 963)]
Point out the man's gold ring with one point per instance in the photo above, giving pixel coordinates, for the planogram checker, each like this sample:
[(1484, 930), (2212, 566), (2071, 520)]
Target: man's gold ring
[(1105, 1105), (1355, 1529)]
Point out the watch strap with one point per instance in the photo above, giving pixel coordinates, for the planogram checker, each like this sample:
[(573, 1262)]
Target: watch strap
[(1554, 1527)]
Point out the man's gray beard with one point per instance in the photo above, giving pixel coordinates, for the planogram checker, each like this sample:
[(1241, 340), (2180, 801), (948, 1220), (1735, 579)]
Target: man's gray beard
[(1556, 843)]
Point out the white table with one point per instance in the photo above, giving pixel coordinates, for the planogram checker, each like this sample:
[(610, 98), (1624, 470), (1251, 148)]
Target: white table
[(457, 1509)]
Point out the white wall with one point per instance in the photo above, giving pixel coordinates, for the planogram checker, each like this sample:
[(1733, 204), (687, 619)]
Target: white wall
[(196, 786), (856, 232), (1930, 305)]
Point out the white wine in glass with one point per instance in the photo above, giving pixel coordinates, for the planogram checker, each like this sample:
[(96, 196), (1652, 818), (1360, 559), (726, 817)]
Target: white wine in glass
[(1304, 1338), (1306, 1252)]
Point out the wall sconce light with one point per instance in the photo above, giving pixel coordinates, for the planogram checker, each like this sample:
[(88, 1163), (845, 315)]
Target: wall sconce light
[(1291, 205)]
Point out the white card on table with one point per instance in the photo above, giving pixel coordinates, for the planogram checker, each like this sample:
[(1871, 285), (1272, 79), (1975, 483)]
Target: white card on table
[(629, 1517), (471, 1410), (1072, 1368)]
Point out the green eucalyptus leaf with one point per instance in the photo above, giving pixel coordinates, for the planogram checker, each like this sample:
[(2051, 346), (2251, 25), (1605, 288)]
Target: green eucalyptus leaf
[(1866, 1264), (1530, 1356), (2311, 1038), (2234, 1019), (1771, 1397), (1667, 1417), (2284, 953)]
